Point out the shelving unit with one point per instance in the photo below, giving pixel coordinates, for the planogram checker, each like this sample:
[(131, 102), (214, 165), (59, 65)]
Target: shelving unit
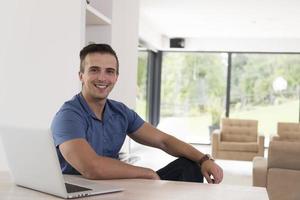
[(94, 17)]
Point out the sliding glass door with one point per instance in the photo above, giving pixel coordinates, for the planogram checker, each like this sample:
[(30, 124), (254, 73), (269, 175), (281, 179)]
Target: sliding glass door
[(193, 87)]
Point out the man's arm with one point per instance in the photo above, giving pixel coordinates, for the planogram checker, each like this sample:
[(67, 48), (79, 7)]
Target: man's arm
[(84, 159), (151, 136)]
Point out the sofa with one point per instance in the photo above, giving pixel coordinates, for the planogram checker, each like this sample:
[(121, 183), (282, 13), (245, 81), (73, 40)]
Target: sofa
[(280, 172)]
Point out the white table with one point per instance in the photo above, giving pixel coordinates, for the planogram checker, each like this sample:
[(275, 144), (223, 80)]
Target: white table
[(141, 189)]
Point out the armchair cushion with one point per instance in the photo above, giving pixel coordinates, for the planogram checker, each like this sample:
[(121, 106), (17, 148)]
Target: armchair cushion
[(239, 146)]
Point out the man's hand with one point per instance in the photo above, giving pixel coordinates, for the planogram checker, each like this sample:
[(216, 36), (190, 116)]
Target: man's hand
[(153, 175), (210, 168)]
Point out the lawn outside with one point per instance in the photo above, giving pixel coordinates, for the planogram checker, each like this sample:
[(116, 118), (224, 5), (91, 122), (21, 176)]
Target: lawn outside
[(195, 129)]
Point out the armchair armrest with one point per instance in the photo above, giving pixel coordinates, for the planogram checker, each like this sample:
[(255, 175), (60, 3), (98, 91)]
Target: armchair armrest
[(261, 145), (274, 138), (216, 137), (259, 176), (261, 136), (261, 140), (216, 131)]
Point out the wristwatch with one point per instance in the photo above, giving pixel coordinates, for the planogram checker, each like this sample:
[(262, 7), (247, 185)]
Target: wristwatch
[(205, 158)]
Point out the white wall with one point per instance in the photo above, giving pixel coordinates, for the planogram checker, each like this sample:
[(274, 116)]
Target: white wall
[(40, 64), (39, 60)]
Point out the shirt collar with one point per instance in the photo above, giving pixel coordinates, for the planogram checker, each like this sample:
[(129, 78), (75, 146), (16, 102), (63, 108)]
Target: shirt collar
[(107, 112)]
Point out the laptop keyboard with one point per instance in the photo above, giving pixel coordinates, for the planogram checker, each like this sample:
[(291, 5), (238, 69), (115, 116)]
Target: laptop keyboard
[(75, 188)]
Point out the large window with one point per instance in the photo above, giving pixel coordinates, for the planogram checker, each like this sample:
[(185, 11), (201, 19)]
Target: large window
[(265, 87), (193, 87), (261, 86), (141, 99)]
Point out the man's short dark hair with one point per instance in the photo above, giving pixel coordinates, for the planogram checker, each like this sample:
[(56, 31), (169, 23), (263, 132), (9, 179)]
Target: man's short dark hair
[(96, 48)]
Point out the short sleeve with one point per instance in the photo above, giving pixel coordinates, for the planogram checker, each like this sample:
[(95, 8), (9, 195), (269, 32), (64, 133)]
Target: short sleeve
[(134, 121), (67, 125)]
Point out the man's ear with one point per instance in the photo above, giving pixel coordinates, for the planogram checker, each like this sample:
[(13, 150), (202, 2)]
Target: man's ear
[(80, 75)]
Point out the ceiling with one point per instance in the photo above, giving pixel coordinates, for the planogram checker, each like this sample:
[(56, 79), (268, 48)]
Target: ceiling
[(222, 19)]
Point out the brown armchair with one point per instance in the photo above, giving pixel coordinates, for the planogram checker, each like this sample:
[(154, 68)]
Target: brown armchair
[(280, 173), (287, 131), (237, 139)]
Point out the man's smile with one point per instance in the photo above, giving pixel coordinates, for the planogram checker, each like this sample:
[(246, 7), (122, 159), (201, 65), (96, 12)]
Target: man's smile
[(101, 85)]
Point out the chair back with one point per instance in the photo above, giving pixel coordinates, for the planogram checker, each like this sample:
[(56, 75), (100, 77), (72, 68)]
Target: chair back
[(284, 155), (239, 130), (288, 131)]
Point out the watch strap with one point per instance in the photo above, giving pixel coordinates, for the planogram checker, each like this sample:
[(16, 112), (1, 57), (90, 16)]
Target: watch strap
[(205, 158)]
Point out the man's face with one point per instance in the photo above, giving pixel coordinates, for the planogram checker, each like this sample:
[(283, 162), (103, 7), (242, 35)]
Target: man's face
[(99, 76)]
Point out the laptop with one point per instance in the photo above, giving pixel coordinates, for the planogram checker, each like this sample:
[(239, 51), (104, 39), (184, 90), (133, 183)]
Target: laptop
[(34, 164)]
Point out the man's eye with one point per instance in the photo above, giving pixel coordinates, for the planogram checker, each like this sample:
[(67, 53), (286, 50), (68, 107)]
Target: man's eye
[(93, 70), (111, 71)]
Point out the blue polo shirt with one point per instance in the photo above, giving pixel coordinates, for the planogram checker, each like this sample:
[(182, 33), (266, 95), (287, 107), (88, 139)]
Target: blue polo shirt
[(75, 119)]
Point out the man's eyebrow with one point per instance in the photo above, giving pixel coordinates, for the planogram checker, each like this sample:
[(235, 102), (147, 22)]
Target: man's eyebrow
[(111, 68), (94, 66), (99, 67)]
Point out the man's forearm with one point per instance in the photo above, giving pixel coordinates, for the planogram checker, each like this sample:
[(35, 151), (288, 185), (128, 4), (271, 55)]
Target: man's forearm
[(108, 168)]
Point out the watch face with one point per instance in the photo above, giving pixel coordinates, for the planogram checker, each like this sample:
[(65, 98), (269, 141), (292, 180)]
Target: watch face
[(210, 157)]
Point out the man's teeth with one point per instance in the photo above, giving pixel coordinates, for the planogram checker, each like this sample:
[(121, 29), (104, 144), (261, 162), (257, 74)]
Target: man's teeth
[(101, 86)]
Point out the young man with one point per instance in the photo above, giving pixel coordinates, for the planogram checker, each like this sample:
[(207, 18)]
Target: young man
[(90, 129)]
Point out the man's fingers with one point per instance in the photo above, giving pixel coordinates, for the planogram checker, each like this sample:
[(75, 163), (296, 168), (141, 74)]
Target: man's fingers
[(219, 176), (207, 177), (212, 173)]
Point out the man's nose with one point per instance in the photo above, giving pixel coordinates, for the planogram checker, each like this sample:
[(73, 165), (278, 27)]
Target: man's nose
[(101, 75)]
